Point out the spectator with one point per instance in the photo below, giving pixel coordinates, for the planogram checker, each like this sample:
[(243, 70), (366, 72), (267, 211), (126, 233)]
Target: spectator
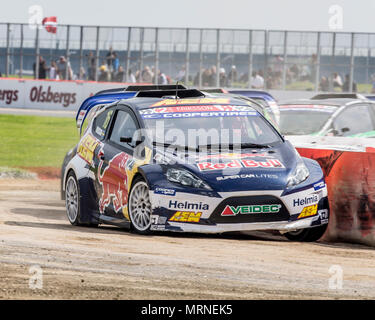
[(206, 78), (146, 75), (110, 58), (294, 72), (138, 76), (373, 83), (53, 71), (305, 74), (337, 81), (91, 62), (346, 85), (256, 81), (42, 72), (82, 74), (278, 70), (181, 74), (119, 77), (223, 78), (131, 77), (116, 63), (162, 78), (232, 75), (103, 73), (212, 82), (269, 80), (63, 67), (313, 67), (196, 78), (324, 84)]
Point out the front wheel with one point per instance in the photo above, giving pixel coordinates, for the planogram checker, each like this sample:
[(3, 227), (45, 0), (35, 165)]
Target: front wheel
[(139, 206), (72, 202), (307, 235)]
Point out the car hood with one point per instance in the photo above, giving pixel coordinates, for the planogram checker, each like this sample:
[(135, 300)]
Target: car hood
[(247, 169)]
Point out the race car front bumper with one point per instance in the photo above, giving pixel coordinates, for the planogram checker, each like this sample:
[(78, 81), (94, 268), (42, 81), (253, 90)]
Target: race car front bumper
[(236, 211)]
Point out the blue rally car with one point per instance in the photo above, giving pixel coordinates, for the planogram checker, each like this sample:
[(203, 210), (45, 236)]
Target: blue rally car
[(177, 160)]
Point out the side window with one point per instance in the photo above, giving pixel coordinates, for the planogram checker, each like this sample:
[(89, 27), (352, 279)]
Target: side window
[(353, 120), (125, 126), (101, 123)]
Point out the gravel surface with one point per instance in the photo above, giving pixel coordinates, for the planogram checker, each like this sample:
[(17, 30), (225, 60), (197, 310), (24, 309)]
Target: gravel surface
[(111, 263)]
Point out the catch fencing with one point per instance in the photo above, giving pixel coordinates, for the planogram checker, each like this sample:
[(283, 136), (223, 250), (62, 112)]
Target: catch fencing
[(285, 60)]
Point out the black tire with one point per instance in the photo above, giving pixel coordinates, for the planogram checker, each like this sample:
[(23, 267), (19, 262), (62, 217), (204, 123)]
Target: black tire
[(135, 224), (307, 235), (72, 199)]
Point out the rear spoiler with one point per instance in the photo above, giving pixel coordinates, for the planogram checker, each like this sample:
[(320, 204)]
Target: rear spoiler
[(93, 101), (144, 87)]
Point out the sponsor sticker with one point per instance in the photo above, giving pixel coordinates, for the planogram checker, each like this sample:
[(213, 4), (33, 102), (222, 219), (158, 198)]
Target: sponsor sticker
[(324, 215), (233, 156), (86, 148), (196, 108), (320, 185), (186, 216), (265, 163), (188, 205), (247, 176), (155, 219), (165, 191), (80, 118), (213, 114), (308, 211), (311, 199), (172, 102), (251, 209)]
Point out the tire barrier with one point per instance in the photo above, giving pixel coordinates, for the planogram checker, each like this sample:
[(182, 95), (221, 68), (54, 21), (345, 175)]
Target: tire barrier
[(350, 177)]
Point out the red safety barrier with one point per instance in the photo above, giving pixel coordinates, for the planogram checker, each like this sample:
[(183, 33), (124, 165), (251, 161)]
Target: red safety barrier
[(350, 177)]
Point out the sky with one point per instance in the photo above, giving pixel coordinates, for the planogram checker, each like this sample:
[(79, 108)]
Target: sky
[(315, 15)]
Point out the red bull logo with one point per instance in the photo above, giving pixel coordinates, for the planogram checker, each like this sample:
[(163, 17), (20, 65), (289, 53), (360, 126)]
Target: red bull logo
[(114, 181)]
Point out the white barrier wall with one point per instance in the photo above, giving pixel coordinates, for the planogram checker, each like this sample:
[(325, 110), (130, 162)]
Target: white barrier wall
[(49, 94)]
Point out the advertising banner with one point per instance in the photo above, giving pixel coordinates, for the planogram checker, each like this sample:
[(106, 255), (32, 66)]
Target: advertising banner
[(49, 94)]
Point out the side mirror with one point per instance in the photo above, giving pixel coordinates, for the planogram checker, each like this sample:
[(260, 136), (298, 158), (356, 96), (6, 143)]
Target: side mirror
[(346, 129), (332, 132), (126, 139), (129, 140)]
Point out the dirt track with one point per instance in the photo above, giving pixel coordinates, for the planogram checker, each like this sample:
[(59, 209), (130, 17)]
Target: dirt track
[(110, 263)]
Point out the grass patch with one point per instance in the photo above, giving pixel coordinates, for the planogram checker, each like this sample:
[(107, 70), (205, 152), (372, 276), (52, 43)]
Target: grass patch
[(32, 141)]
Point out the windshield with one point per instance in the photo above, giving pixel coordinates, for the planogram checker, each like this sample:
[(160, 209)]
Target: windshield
[(303, 120), (205, 125)]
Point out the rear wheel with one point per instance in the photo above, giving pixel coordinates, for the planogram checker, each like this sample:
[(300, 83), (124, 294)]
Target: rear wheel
[(307, 235), (139, 206)]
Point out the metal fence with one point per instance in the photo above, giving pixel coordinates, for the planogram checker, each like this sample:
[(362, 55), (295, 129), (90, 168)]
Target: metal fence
[(289, 60)]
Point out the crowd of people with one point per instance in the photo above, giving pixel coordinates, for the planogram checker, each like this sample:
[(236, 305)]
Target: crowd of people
[(336, 83), (110, 69)]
